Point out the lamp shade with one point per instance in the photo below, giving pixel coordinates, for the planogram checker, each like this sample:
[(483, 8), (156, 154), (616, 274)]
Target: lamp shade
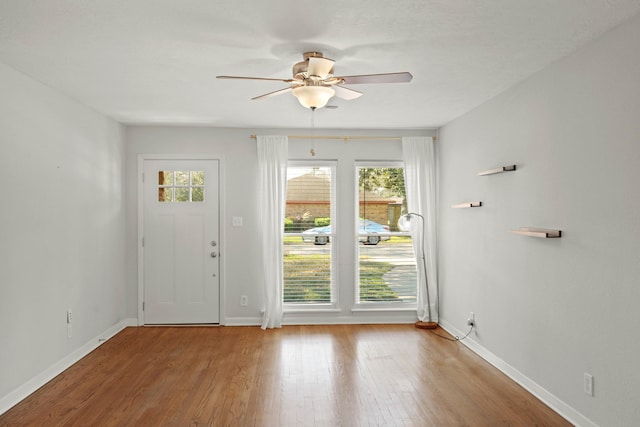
[(404, 222), (313, 96)]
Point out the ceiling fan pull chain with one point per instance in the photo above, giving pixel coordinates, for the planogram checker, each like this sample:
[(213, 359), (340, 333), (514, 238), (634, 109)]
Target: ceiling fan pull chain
[(312, 151)]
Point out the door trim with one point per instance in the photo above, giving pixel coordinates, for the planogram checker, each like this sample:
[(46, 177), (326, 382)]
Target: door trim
[(221, 222)]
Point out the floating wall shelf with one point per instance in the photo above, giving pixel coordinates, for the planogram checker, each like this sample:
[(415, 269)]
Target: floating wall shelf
[(501, 169), (538, 232), (467, 205)]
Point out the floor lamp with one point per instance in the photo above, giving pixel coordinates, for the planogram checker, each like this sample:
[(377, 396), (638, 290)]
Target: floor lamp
[(404, 224)]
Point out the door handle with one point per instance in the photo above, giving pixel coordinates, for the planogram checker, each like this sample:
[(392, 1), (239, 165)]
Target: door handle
[(214, 254)]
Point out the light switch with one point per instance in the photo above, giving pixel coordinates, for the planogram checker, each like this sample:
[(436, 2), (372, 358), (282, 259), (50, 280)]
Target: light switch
[(237, 221)]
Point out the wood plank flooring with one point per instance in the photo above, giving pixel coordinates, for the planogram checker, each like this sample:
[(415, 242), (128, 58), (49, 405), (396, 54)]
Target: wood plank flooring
[(342, 375)]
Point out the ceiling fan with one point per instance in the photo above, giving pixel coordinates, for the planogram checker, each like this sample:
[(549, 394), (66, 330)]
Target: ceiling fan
[(313, 82)]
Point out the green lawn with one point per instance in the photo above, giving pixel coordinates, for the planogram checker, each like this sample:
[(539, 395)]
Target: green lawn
[(307, 279), (372, 285)]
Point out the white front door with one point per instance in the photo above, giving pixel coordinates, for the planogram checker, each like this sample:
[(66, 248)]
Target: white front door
[(181, 242)]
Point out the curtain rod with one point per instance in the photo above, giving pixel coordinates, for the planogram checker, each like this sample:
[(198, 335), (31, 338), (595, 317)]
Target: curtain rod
[(346, 138)]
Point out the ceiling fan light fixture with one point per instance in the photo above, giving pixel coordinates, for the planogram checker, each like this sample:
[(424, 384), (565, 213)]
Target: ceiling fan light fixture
[(313, 96), (314, 83)]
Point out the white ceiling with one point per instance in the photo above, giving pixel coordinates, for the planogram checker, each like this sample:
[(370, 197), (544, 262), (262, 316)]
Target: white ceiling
[(155, 61)]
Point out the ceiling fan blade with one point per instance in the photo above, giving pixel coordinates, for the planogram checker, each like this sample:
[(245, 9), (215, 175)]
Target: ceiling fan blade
[(320, 67), (270, 94), (255, 78), (346, 93), (377, 78)]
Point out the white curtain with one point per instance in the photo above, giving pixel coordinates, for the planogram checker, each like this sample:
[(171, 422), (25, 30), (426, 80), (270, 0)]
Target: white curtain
[(420, 184), (272, 174)]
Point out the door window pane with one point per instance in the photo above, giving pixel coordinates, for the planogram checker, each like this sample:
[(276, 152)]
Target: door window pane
[(197, 178), (182, 177), (165, 178), (165, 194), (182, 194), (197, 194)]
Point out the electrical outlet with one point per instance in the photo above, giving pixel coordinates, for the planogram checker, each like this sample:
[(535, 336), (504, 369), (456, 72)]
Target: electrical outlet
[(471, 321), (588, 384), (69, 331), (244, 300)]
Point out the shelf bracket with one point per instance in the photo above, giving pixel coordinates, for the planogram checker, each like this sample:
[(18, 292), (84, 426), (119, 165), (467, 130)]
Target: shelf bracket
[(542, 233), (501, 169), (467, 205)]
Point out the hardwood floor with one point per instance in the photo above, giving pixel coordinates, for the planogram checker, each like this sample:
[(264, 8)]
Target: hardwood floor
[(342, 375)]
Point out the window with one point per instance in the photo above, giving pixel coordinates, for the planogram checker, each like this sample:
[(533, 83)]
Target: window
[(309, 234), (386, 267), (181, 186)]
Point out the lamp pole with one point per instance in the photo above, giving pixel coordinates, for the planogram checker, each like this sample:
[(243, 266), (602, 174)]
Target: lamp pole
[(430, 324)]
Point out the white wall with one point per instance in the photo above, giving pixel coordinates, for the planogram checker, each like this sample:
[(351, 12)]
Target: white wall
[(240, 250), (62, 227), (553, 309)]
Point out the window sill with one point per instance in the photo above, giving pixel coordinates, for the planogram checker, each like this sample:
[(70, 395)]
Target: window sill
[(383, 309), (299, 309)]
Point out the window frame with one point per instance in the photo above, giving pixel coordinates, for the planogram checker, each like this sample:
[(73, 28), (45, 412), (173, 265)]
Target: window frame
[(374, 305), (334, 239)]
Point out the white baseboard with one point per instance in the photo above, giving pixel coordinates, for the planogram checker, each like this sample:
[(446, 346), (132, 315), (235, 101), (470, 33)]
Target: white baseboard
[(242, 321), (531, 386), (14, 397), (290, 319), (345, 321)]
